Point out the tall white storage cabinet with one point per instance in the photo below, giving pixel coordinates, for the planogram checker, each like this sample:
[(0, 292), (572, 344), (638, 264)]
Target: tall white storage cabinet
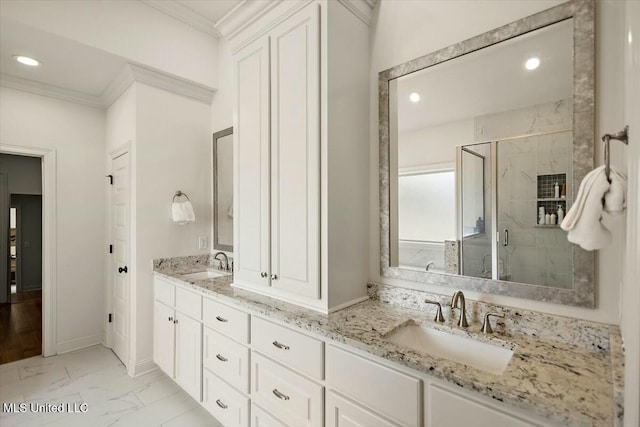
[(301, 155)]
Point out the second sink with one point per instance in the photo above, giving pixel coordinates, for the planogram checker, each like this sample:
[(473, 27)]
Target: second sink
[(204, 275), (480, 355)]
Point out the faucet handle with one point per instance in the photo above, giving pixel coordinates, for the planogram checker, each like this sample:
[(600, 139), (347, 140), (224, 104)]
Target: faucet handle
[(486, 324), (439, 317)]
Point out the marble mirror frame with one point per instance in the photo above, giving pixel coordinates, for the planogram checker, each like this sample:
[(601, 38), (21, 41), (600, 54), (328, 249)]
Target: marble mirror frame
[(582, 293)]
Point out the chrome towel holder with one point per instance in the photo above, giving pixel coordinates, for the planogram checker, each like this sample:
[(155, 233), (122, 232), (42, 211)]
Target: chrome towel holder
[(180, 194), (622, 136)]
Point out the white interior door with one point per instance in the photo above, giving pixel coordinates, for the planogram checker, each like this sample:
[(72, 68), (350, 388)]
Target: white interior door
[(295, 154), (120, 272)]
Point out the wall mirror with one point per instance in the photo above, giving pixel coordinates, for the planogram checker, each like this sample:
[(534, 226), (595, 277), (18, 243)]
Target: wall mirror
[(223, 190), (483, 145)]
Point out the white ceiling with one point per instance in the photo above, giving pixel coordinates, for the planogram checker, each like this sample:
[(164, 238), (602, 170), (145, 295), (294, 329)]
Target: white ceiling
[(210, 9), (65, 64), (490, 80)]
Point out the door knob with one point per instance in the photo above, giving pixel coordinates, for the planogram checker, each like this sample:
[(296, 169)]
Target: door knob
[(122, 269)]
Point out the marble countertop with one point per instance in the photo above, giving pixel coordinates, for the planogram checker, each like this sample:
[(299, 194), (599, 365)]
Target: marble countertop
[(568, 384)]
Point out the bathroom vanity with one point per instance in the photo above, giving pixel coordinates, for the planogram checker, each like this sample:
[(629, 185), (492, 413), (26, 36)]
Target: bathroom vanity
[(254, 360)]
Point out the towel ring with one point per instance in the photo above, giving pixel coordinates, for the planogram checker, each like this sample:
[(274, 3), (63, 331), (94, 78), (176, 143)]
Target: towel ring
[(180, 194), (622, 136)]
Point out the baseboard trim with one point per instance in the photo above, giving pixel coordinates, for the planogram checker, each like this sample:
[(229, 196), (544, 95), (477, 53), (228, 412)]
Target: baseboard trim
[(142, 367), (78, 343)]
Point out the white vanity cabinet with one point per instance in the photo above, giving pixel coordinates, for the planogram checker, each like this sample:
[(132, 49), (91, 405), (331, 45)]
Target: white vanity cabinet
[(177, 346), (295, 217)]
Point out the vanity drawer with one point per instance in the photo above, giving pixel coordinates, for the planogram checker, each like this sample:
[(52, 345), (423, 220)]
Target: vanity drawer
[(293, 349), (226, 358), (230, 322), (390, 392), (229, 406), (189, 303), (164, 292), (261, 418), (289, 396)]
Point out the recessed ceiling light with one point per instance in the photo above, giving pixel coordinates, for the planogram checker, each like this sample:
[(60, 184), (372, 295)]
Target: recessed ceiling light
[(532, 63), (414, 97), (26, 60)]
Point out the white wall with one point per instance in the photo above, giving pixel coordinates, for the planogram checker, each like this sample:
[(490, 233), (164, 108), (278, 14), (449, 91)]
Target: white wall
[(434, 144), (24, 173), (77, 134), (129, 29), (172, 152), (406, 30)]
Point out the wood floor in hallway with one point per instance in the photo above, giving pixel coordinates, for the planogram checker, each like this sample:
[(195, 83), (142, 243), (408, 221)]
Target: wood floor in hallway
[(21, 327)]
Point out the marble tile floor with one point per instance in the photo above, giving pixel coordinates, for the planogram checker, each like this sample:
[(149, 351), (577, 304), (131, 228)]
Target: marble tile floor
[(96, 377)]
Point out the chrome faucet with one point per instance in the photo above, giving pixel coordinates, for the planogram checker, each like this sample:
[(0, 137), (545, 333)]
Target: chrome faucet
[(224, 266), (459, 296)]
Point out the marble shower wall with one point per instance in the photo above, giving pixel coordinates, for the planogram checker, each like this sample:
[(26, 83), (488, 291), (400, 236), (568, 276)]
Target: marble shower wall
[(534, 255)]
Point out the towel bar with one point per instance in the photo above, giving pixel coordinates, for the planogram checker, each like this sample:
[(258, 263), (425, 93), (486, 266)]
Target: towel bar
[(623, 136)]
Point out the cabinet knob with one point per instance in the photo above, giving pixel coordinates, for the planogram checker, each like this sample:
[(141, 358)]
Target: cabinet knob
[(170, 319), (175, 321), (274, 277), (263, 274)]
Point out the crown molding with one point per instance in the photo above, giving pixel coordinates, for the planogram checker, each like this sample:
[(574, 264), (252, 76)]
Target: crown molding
[(184, 14), (242, 16), (171, 83), (38, 88), (129, 74), (362, 9)]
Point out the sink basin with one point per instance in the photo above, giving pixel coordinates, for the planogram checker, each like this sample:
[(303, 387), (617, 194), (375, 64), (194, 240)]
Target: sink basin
[(480, 355), (204, 275)]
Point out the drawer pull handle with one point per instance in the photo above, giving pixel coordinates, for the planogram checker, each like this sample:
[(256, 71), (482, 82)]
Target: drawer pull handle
[(281, 346), (221, 319), (221, 358), (280, 395), (220, 404)]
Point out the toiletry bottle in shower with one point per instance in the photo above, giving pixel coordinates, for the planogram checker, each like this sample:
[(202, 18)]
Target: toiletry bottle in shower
[(541, 215), (553, 219), (556, 191), (560, 214), (547, 219)]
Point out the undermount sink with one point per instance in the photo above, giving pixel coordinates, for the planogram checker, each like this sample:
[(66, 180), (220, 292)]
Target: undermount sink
[(204, 275), (480, 355)]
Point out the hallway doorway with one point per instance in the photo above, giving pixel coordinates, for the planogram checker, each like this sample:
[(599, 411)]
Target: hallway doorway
[(21, 238)]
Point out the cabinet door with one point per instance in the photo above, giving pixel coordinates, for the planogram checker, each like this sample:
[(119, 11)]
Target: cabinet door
[(295, 154), (343, 413), (251, 154), (163, 338), (189, 355), (450, 408)]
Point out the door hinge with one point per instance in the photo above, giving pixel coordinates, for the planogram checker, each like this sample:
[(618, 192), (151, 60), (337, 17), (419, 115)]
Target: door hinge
[(110, 179), (110, 317), (110, 249)]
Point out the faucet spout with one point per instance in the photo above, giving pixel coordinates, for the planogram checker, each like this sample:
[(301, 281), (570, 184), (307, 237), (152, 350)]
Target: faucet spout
[(458, 296), (224, 262)]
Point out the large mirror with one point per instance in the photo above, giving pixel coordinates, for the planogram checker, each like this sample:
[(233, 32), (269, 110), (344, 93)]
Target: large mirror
[(482, 147), (223, 190)]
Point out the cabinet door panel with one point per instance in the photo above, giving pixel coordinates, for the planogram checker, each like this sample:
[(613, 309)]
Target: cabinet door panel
[(448, 408), (343, 413), (163, 337), (189, 355), (295, 154), (251, 154)]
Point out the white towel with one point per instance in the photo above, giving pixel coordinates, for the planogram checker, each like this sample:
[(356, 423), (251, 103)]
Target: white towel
[(182, 212), (595, 195)]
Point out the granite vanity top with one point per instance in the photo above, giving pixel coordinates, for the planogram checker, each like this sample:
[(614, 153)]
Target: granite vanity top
[(567, 383)]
